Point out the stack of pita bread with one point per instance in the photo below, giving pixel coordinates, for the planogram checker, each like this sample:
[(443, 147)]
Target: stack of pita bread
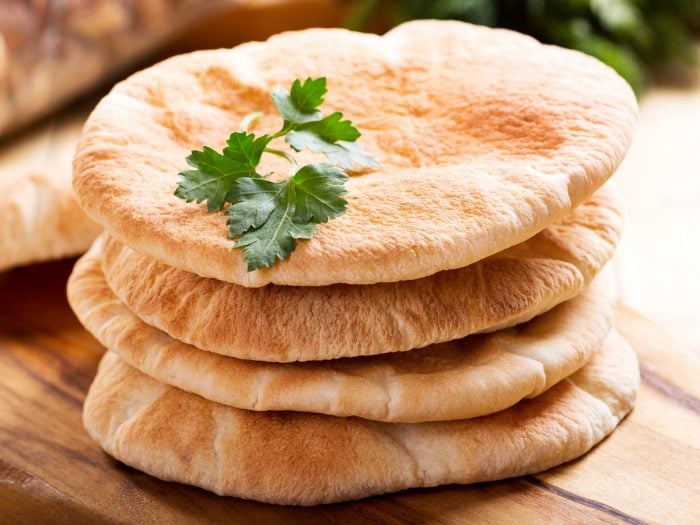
[(454, 326)]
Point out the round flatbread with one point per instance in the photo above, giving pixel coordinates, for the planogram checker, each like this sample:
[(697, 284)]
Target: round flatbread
[(485, 137), (40, 219), (460, 379), (283, 323), (306, 459)]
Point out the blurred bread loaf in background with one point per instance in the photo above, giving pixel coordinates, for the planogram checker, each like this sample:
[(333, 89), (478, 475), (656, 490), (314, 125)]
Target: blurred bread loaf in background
[(51, 52), (54, 51)]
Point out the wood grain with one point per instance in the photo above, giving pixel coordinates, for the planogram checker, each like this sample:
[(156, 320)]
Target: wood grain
[(51, 472)]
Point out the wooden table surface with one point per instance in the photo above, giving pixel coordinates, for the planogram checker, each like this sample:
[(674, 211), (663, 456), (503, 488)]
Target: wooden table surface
[(52, 472)]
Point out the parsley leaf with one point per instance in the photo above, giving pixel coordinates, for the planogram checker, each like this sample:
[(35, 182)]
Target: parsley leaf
[(215, 173), (254, 202), (311, 196), (330, 129), (344, 153), (304, 127), (267, 218), (301, 103), (276, 238), (245, 148), (317, 191)]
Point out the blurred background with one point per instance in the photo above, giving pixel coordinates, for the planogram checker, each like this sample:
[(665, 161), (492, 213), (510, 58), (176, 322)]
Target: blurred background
[(57, 57)]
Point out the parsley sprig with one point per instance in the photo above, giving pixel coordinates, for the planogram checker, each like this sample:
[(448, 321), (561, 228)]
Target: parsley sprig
[(267, 218)]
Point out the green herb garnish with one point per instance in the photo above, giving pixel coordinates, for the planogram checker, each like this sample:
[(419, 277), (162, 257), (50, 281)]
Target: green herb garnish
[(265, 217)]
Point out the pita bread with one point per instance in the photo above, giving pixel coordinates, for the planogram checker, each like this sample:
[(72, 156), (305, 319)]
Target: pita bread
[(485, 138), (39, 217), (455, 380), (306, 459), (282, 323)]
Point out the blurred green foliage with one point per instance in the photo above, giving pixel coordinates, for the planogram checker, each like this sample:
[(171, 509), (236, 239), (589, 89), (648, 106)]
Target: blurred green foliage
[(635, 37)]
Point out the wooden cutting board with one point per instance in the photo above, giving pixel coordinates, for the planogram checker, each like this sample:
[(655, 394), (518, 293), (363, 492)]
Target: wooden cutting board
[(51, 472)]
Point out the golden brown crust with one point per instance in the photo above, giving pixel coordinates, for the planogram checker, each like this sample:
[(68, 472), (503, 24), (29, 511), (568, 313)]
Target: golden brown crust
[(472, 163), (306, 459), (282, 323), (461, 379)]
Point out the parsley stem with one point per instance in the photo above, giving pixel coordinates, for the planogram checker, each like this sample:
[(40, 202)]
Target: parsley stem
[(284, 154), (285, 129), (249, 119)]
